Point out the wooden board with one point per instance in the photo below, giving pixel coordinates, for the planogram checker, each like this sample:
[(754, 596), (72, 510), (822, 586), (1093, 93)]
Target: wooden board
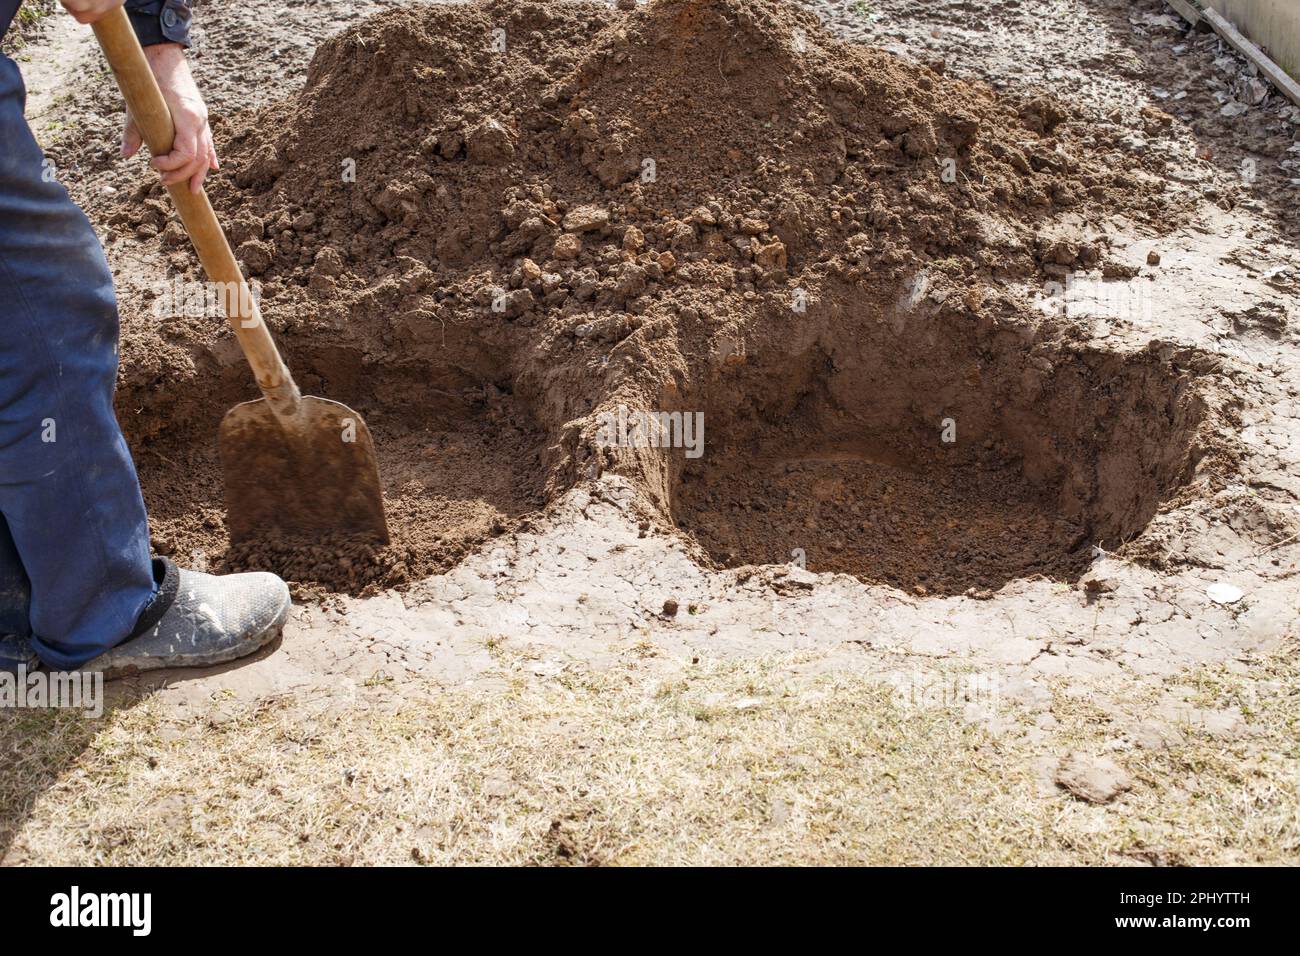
[(1270, 70), (1272, 25), (1187, 11)]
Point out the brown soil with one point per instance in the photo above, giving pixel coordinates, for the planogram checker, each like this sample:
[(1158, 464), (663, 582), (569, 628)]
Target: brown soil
[(448, 486), (966, 528), (1058, 449), (503, 269)]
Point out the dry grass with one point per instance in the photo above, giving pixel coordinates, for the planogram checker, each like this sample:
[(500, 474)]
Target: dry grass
[(27, 23), (750, 762)]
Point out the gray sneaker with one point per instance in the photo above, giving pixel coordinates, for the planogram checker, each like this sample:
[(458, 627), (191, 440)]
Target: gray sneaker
[(198, 620), (16, 652)]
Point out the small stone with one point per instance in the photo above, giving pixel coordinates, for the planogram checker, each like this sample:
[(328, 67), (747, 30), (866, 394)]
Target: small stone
[(1097, 583), (1094, 779), (1223, 593), (530, 271), (1153, 258), (567, 247), (586, 219), (670, 608)]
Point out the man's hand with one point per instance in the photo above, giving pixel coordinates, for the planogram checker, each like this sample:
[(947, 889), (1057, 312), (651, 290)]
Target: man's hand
[(192, 152), (88, 11)]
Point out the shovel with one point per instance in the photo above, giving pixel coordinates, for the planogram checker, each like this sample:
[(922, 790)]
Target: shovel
[(301, 465)]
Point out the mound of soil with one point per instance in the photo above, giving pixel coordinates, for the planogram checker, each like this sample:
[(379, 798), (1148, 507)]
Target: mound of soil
[(728, 132), (484, 225)]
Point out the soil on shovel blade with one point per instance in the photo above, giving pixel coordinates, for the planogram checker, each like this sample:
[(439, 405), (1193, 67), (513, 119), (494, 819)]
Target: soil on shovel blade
[(488, 227)]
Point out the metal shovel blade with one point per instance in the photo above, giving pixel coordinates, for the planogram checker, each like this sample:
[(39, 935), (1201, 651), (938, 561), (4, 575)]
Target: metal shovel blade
[(315, 475)]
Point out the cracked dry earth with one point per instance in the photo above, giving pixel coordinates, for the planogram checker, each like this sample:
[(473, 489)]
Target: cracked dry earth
[(1118, 518)]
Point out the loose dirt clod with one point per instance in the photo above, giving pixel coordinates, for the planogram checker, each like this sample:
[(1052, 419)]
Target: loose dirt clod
[(1091, 778), (536, 214)]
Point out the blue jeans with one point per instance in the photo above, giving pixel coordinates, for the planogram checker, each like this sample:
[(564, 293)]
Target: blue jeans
[(74, 540)]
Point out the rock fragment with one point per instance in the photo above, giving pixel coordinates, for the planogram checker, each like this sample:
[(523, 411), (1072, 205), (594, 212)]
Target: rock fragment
[(567, 247), (1090, 778), (586, 219), (1223, 593)]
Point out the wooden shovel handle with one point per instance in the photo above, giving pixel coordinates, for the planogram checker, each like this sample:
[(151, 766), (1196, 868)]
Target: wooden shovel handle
[(154, 119)]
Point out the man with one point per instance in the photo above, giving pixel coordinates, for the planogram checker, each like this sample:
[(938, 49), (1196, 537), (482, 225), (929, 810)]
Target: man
[(77, 586)]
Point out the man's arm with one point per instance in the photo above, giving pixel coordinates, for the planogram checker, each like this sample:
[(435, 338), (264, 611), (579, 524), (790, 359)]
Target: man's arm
[(163, 27)]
